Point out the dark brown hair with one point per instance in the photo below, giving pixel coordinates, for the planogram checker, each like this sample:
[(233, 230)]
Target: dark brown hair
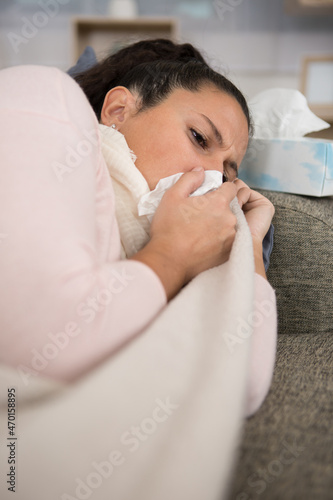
[(154, 68)]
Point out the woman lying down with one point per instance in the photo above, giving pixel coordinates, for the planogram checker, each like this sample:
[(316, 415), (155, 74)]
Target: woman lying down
[(82, 272)]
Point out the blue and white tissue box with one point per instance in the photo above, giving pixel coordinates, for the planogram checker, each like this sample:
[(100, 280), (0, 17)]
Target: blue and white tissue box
[(299, 166)]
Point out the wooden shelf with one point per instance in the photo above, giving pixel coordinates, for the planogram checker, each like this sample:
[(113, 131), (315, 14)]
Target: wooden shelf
[(107, 35), (308, 7), (326, 134), (325, 112)]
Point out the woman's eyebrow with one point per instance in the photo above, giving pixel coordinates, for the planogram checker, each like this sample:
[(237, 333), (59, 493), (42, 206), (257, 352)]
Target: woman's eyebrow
[(217, 134), (218, 137)]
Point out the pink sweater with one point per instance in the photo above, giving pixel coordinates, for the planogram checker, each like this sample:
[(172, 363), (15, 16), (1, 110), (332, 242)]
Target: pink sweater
[(67, 301)]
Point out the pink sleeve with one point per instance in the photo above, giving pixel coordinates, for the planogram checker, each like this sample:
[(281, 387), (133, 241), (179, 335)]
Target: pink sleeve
[(263, 345), (67, 301)]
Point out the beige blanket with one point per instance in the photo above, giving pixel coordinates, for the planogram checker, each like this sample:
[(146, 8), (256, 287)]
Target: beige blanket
[(160, 420)]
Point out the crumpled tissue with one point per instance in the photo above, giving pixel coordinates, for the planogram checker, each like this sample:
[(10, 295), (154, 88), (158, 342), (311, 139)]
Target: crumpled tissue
[(283, 113), (150, 201)]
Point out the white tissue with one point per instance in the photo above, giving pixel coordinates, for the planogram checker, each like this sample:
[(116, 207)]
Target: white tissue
[(150, 201), (283, 113)]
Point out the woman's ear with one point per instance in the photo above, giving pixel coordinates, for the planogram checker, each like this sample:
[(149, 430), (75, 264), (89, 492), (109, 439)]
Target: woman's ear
[(119, 104)]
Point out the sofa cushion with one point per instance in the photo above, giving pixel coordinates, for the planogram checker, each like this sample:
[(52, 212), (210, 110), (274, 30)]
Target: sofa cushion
[(301, 266), (286, 451)]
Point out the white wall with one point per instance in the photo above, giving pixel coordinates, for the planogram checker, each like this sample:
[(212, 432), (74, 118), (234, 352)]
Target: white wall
[(258, 60), (254, 41)]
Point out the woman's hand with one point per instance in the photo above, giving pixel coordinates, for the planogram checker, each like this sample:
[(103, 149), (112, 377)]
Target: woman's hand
[(258, 210), (190, 234)]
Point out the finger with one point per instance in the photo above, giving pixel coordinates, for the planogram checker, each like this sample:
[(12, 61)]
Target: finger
[(240, 184), (228, 189), (189, 182), (243, 195)]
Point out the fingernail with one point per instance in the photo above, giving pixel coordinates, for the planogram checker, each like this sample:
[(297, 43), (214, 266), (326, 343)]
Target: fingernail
[(196, 169)]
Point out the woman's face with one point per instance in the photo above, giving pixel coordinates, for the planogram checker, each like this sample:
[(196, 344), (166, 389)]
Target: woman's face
[(188, 129)]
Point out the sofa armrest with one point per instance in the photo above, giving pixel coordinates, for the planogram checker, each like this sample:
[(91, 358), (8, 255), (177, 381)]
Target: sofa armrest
[(301, 267)]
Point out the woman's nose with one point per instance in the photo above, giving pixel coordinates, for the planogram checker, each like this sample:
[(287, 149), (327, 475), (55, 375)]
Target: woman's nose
[(215, 163)]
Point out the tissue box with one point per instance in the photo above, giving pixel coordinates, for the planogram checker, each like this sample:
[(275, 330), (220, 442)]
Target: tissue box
[(300, 166)]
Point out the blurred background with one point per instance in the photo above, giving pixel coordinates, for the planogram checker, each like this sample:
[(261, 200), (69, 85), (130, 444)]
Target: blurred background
[(258, 44)]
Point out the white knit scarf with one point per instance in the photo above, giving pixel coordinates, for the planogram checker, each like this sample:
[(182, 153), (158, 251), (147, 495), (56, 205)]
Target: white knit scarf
[(129, 186)]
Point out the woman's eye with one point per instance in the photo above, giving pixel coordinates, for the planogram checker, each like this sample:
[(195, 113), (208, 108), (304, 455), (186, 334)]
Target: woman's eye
[(225, 177), (199, 139)]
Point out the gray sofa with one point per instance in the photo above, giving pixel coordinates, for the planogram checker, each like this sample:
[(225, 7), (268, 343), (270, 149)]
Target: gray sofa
[(286, 451)]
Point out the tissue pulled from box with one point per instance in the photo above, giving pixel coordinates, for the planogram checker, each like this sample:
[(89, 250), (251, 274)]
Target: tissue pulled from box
[(283, 113), (150, 201), (278, 157)]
